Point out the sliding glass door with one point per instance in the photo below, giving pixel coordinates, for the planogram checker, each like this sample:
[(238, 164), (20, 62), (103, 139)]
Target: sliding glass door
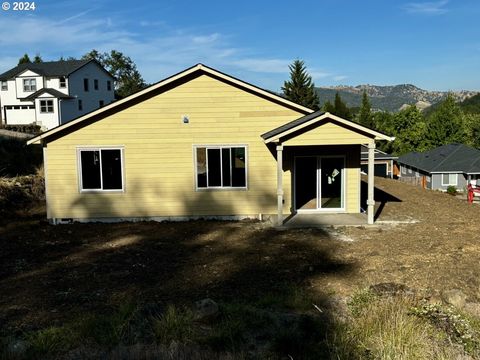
[(319, 183)]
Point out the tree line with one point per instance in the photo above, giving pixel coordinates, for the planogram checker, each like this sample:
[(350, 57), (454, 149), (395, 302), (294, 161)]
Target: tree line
[(414, 130)]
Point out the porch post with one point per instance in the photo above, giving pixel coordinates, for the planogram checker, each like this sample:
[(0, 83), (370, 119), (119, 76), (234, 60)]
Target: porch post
[(371, 170), (279, 184)]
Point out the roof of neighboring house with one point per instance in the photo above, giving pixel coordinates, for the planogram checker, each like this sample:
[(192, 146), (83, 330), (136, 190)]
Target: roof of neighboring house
[(378, 154), (49, 68), (55, 93), (164, 85), (446, 158), (312, 118)]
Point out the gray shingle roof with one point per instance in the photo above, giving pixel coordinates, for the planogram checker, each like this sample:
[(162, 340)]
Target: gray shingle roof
[(446, 158), (292, 124), (53, 92), (50, 68)]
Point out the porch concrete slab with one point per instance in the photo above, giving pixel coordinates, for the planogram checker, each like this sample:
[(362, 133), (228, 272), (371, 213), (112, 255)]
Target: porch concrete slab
[(322, 220)]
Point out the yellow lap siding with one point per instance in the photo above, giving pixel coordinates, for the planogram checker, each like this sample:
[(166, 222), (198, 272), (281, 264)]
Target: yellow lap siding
[(158, 155), (328, 133), (159, 169)]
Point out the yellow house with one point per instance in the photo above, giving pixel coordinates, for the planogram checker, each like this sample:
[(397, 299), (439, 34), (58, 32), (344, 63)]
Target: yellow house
[(204, 144)]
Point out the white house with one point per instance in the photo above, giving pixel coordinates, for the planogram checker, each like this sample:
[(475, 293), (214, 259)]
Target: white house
[(52, 93)]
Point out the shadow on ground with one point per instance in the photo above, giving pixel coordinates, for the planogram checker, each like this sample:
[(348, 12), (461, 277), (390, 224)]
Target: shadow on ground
[(381, 198)]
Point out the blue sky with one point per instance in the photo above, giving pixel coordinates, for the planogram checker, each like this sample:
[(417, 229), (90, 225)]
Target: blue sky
[(432, 44)]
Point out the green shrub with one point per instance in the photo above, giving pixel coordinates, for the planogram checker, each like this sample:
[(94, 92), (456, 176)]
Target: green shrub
[(452, 190), (16, 158), (28, 129)]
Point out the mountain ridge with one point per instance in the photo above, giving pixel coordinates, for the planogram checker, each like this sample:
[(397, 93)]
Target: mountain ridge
[(389, 97)]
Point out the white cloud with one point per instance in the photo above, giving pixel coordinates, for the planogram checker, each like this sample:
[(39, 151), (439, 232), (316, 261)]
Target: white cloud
[(206, 39), (428, 8)]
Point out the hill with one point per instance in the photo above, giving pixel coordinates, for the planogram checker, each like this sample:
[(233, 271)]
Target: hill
[(471, 104), (390, 98)]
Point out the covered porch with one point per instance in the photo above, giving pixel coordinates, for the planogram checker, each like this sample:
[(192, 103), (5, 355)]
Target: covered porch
[(318, 170)]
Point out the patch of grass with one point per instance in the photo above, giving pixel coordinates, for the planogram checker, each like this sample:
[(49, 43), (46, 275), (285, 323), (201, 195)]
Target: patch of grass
[(51, 340), (461, 328), (174, 324), (288, 297), (384, 328), (108, 329), (360, 301), (237, 322)]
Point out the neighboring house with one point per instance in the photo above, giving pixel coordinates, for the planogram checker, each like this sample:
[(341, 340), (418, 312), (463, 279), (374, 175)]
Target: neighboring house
[(384, 163), (52, 93), (444, 166), (204, 144)]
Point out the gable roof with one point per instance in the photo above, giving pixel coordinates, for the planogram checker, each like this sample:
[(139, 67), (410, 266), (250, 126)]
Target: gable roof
[(54, 92), (312, 118), (49, 68), (446, 158), (166, 84)]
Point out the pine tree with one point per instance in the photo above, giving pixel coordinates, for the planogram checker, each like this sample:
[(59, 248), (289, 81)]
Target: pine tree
[(300, 88), (37, 59), (25, 59), (365, 117), (341, 108), (328, 107)]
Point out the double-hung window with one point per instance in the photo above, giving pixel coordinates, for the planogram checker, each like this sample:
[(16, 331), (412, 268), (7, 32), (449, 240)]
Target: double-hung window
[(101, 169), (63, 82), (29, 85), (221, 167), (4, 85), (449, 179), (46, 106)]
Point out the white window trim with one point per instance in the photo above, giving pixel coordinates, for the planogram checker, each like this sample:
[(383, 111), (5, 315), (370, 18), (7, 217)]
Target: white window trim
[(221, 188), (4, 85), (100, 148), (29, 80), (64, 82), (46, 106), (451, 184)]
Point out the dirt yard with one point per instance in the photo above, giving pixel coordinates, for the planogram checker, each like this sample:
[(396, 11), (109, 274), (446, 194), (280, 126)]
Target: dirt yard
[(49, 274)]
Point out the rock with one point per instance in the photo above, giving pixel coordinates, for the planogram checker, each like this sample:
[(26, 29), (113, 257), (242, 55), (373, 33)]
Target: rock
[(454, 297), (391, 289), (206, 310), (473, 308)]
